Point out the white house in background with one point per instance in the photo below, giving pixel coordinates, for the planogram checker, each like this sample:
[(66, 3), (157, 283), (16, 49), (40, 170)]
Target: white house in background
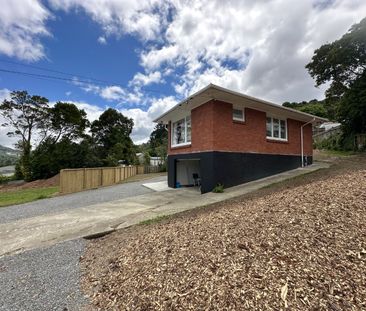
[(154, 161), (329, 125)]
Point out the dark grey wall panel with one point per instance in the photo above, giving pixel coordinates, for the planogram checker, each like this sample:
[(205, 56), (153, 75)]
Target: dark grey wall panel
[(234, 168)]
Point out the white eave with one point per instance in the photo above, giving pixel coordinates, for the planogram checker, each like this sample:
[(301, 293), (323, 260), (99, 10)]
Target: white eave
[(219, 93)]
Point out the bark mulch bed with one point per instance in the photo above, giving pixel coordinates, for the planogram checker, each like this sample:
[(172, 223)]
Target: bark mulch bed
[(301, 248)]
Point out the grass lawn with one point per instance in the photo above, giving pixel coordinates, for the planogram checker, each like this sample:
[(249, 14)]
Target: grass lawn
[(26, 195)]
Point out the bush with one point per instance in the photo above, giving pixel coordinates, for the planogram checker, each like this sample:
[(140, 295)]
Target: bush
[(219, 188), (5, 179), (338, 142), (163, 167)]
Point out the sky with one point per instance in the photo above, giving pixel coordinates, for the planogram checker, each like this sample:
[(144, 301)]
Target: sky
[(142, 57)]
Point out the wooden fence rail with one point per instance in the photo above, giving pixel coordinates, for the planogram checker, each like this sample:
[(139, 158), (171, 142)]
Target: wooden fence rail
[(75, 180)]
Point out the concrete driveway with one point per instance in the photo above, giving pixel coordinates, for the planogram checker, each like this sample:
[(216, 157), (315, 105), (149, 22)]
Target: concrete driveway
[(49, 229), (76, 200)]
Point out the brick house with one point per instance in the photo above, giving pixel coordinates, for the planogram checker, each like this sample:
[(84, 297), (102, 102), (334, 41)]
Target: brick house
[(230, 138)]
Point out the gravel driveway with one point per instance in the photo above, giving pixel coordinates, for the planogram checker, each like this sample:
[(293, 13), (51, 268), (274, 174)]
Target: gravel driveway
[(75, 200), (48, 278), (42, 279)]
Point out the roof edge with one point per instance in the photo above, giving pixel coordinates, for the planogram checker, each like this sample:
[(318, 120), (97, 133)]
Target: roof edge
[(220, 88)]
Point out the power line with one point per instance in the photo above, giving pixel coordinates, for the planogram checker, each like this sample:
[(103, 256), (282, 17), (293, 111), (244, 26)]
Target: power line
[(55, 71), (43, 76), (74, 79)]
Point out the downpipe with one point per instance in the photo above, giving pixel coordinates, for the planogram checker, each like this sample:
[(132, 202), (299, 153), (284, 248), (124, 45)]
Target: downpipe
[(302, 140)]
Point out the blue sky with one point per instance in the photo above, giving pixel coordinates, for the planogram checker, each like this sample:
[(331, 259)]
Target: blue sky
[(151, 54)]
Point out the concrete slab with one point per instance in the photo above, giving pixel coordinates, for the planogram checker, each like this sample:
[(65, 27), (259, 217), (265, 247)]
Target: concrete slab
[(158, 186), (97, 219)]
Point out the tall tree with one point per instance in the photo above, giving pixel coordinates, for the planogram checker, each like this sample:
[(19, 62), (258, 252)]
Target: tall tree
[(67, 120), (26, 114), (342, 62), (352, 108), (111, 132), (158, 140)]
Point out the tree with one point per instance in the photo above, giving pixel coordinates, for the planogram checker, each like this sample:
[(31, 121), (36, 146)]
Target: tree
[(66, 120), (49, 157), (342, 62), (158, 137), (26, 114), (110, 129), (352, 108), (314, 107)]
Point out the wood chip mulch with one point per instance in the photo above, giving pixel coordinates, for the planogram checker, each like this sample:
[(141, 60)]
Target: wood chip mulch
[(298, 249)]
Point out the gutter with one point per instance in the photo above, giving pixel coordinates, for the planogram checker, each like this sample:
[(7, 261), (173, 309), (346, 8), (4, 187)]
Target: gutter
[(302, 140)]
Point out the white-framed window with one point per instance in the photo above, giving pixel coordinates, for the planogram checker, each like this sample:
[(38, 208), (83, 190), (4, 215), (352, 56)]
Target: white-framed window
[(238, 114), (276, 128), (181, 132)]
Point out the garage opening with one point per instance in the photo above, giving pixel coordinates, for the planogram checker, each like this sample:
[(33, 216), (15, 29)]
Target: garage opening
[(188, 173)]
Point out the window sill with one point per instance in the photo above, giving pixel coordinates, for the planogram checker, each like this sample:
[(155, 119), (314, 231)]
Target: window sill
[(180, 146), (277, 140), (239, 121)]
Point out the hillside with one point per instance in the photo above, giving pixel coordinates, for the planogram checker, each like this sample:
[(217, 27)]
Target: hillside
[(8, 156)]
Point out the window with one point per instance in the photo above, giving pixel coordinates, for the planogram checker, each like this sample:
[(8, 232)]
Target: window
[(238, 114), (181, 132), (276, 128)]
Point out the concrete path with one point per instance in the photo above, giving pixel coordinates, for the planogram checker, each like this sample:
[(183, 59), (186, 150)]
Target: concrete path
[(76, 200), (97, 219)]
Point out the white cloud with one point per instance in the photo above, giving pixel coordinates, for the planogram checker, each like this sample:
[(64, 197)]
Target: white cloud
[(259, 48), (256, 47), (141, 79), (112, 93), (144, 18), (143, 120), (102, 40), (22, 24)]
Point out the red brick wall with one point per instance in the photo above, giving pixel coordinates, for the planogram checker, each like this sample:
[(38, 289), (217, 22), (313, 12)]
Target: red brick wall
[(214, 130)]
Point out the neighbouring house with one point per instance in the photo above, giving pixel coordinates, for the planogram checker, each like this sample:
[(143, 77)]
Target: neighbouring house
[(154, 161), (326, 130), (218, 136)]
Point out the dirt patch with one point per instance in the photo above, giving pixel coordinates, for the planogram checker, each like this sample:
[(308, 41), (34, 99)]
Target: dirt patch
[(299, 245), (40, 183)]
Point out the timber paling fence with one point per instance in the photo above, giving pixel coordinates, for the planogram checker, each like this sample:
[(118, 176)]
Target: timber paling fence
[(79, 179)]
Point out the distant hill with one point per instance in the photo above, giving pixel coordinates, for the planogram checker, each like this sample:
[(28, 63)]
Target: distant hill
[(8, 156)]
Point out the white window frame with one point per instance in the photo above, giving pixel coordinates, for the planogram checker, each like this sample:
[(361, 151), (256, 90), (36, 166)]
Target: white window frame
[(238, 119), (279, 128), (185, 132)]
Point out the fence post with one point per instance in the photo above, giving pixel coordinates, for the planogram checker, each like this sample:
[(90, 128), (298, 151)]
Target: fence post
[(61, 182), (84, 179), (101, 177)]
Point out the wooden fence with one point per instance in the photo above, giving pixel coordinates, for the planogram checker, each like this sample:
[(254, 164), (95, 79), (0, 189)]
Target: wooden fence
[(147, 169), (75, 180)]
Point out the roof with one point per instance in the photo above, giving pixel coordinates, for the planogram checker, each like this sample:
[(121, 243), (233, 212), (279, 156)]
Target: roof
[(213, 91)]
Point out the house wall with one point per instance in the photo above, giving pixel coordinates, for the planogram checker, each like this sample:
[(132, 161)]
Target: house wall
[(202, 134), (214, 130), (228, 168)]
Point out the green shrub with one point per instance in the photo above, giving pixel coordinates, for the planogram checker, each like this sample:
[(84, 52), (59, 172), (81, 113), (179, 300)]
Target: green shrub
[(5, 179), (219, 188), (162, 167), (338, 142)]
